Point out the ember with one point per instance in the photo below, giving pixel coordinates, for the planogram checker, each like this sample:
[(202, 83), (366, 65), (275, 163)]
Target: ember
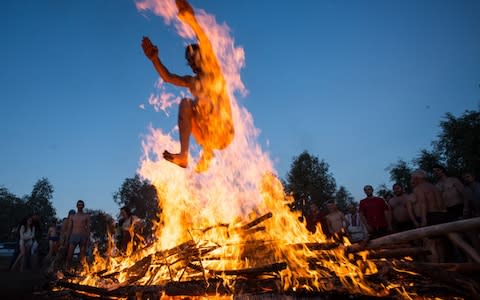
[(228, 232)]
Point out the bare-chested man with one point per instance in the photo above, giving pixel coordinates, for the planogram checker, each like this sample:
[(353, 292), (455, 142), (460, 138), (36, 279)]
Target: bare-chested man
[(413, 208), (208, 115), (432, 211), (336, 221), (398, 205), (78, 232), (453, 193), (432, 206)]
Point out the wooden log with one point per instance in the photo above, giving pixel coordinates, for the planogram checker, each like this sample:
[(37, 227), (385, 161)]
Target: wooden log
[(457, 281), (215, 226), (419, 233), (189, 245), (320, 246), (460, 243), (251, 271), (398, 253), (466, 268), (257, 221), (196, 288), (83, 288), (254, 230)]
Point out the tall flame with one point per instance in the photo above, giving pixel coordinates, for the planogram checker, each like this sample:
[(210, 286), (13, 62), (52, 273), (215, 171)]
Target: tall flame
[(230, 188), (240, 185)]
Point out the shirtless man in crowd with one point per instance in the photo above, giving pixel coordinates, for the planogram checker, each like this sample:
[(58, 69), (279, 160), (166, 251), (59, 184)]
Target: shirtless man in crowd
[(336, 221), (432, 211), (432, 206), (78, 232), (398, 206), (453, 193)]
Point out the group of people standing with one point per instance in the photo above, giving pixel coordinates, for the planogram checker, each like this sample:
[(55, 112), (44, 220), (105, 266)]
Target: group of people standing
[(64, 237), (428, 204)]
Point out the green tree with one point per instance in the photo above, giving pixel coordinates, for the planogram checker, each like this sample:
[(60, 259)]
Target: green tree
[(383, 191), (459, 142), (102, 227), (309, 180), (343, 198), (401, 172), (141, 197), (12, 211), (426, 160), (39, 200)]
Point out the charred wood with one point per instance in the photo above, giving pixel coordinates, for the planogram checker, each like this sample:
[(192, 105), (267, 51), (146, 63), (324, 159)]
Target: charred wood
[(257, 221), (252, 271)]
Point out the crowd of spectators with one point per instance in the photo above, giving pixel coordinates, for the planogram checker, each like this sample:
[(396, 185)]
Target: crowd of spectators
[(66, 244), (445, 199)]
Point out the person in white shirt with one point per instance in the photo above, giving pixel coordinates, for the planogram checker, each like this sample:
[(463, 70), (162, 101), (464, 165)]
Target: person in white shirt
[(355, 227), (27, 233)]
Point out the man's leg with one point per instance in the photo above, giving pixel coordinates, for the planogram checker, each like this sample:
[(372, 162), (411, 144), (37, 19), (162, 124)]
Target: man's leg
[(204, 160), (83, 250), (71, 247), (185, 115)]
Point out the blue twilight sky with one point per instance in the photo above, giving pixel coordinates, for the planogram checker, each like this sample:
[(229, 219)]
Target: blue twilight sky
[(360, 84)]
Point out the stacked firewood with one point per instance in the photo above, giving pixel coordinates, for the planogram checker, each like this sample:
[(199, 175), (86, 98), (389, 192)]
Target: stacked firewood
[(395, 256)]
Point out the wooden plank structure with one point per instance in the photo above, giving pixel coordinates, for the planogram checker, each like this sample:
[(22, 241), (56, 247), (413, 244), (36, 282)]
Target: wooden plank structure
[(185, 263)]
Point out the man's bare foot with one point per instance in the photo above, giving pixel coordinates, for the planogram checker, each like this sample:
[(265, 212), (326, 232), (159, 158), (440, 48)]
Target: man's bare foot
[(204, 161), (178, 159)]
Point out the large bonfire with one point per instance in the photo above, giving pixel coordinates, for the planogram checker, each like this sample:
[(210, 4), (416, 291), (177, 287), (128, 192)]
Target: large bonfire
[(232, 217)]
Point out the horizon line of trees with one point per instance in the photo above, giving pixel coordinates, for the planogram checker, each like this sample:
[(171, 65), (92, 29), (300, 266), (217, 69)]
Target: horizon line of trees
[(309, 180)]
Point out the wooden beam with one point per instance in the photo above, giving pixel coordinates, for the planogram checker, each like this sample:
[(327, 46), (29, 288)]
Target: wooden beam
[(419, 233), (460, 243)]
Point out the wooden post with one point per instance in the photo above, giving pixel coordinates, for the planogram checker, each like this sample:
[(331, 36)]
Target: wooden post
[(419, 233)]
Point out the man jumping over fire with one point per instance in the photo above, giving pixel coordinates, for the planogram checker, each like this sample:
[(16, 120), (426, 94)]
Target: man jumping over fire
[(208, 116)]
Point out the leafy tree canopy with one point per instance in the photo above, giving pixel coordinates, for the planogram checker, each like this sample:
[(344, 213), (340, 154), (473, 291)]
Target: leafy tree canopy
[(141, 197), (102, 227), (12, 210), (401, 172), (309, 180), (459, 142), (39, 201), (457, 148), (343, 198)]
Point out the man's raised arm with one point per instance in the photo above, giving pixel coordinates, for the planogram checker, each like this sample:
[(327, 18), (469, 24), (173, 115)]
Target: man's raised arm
[(187, 15), (151, 52)]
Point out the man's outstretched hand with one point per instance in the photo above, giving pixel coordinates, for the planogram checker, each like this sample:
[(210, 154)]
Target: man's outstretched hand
[(184, 7), (150, 50)]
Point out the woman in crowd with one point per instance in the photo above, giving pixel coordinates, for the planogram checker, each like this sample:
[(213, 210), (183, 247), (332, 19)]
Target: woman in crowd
[(27, 233)]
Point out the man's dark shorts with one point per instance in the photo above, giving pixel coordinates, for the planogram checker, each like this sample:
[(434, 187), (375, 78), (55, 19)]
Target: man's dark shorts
[(78, 239)]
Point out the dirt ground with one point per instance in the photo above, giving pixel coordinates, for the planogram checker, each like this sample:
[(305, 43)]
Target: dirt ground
[(18, 285)]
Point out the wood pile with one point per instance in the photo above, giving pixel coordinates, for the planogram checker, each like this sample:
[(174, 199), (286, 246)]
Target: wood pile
[(396, 257)]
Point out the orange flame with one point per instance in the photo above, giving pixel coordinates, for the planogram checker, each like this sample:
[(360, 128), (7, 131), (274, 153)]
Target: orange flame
[(208, 209)]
